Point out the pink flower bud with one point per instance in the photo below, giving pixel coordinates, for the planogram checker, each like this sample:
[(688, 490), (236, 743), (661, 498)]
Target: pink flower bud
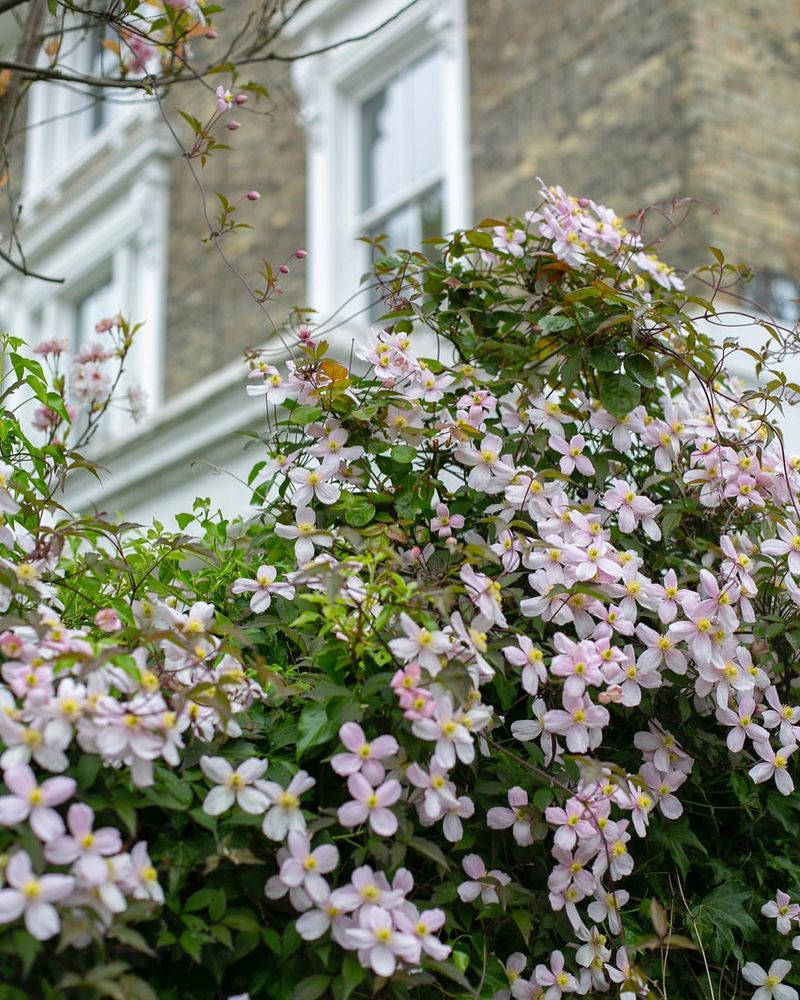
[(211, 33), (300, 254), (253, 195), (107, 620), (283, 269), (240, 99), (232, 126)]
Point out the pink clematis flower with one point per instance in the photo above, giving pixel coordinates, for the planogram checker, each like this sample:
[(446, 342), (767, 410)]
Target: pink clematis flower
[(380, 943), (445, 523), (34, 802), (304, 867), (307, 534), (501, 818), (481, 882), (783, 910), (312, 482), (773, 765), (554, 980), (82, 841), (285, 813), (264, 586), (420, 644), (33, 897), (371, 804), (234, 786), (770, 984), (787, 543), (423, 926), (572, 454), (363, 756)]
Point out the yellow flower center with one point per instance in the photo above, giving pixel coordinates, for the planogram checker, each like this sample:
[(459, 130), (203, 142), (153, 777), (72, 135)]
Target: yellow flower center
[(31, 889)]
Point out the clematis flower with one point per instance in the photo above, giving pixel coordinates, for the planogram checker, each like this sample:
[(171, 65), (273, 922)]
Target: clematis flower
[(82, 840), (445, 523), (313, 482), (304, 867), (34, 802), (32, 897), (481, 882), (284, 813), (420, 644), (452, 738), (770, 984), (328, 912), (380, 943), (234, 786), (773, 765), (485, 594), (371, 804), (787, 543), (782, 910), (554, 979), (264, 586), (143, 879), (363, 756), (500, 818), (572, 454), (307, 534), (490, 470), (423, 926)]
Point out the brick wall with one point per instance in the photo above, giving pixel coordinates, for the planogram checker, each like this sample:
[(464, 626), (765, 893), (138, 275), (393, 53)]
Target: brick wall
[(210, 316), (636, 101), (745, 152)]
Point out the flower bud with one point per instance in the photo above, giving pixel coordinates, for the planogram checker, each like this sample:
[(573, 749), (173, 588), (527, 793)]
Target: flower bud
[(232, 126), (301, 254), (253, 195), (107, 620), (212, 33), (240, 99), (283, 269)]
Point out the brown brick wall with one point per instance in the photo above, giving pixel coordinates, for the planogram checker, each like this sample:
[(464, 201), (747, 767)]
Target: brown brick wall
[(636, 101), (210, 316), (745, 154)]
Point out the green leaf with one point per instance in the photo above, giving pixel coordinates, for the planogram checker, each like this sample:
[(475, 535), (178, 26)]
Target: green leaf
[(359, 513), (200, 900), (403, 454), (555, 324), (305, 414), (482, 240), (569, 371), (429, 850), (641, 370), (192, 944), (353, 974), (602, 359), (314, 728), (311, 987), (618, 394)]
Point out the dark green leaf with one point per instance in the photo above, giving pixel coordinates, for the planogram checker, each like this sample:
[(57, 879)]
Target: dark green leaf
[(618, 394)]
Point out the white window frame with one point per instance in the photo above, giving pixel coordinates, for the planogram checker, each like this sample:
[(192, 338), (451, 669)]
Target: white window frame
[(118, 218), (331, 87), (59, 117)]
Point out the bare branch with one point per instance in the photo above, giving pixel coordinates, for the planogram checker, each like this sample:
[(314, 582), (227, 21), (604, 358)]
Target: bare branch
[(24, 269), (277, 57)]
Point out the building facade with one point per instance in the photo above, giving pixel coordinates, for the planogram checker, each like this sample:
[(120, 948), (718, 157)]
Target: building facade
[(445, 115)]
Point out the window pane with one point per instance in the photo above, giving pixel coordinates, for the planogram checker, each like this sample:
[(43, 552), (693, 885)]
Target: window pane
[(432, 213), (401, 131), (96, 304)]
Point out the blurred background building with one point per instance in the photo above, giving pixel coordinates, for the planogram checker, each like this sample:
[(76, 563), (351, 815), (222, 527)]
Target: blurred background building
[(444, 116)]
